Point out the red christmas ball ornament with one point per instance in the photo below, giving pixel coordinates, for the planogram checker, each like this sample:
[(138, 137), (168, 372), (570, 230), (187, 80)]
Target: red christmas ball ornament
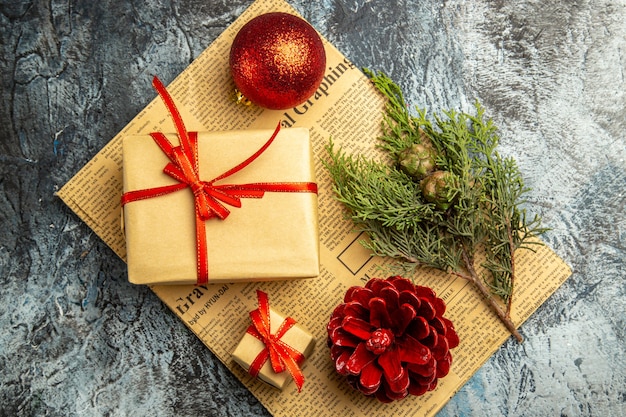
[(390, 338), (277, 60)]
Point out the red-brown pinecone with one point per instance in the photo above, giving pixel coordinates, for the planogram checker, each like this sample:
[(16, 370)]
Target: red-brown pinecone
[(390, 338)]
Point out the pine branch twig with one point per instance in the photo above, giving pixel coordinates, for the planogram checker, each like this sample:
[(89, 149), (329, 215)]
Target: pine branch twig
[(493, 303)]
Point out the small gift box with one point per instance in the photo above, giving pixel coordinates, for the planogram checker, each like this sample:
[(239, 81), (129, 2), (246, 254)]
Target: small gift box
[(274, 346), (220, 207)]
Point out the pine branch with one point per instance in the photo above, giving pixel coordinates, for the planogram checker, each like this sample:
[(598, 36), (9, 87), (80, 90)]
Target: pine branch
[(447, 194)]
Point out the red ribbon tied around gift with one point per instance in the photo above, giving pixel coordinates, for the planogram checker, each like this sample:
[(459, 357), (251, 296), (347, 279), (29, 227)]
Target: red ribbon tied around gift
[(282, 356), (209, 198)]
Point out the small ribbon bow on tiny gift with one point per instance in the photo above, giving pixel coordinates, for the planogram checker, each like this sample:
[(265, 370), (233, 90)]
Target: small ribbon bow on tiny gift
[(282, 356), (209, 197)]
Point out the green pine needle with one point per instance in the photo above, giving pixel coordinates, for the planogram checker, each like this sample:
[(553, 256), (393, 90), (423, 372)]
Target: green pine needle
[(484, 196)]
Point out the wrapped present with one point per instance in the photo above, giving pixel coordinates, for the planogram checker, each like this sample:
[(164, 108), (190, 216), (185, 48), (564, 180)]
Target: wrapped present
[(274, 346), (221, 206)]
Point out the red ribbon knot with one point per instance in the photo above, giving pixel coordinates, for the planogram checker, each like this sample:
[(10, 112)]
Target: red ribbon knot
[(210, 199), (282, 356)]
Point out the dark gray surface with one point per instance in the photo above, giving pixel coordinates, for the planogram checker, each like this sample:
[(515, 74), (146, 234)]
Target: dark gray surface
[(77, 339)]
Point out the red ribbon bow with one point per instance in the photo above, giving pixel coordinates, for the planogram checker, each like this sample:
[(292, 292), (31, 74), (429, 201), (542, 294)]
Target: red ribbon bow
[(209, 198), (282, 356)]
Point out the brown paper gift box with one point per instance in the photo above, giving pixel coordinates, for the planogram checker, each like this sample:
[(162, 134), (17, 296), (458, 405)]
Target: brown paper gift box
[(249, 347), (272, 238)]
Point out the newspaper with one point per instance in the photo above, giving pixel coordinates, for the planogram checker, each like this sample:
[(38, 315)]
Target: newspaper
[(347, 108)]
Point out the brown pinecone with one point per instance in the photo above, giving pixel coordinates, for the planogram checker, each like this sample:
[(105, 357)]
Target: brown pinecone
[(390, 338), (438, 188), (417, 161)]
